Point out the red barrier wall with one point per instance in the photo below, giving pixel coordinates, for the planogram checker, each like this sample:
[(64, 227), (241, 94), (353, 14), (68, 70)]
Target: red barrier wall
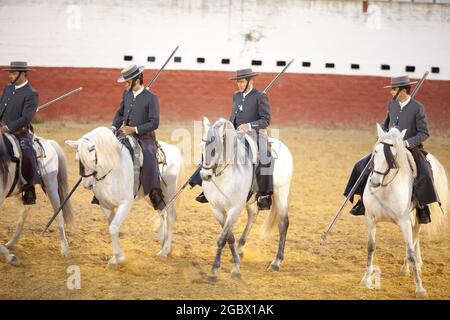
[(334, 101)]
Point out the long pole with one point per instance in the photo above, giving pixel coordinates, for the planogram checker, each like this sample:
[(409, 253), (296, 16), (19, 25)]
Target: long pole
[(162, 68), (275, 80), (62, 205), (45, 105)]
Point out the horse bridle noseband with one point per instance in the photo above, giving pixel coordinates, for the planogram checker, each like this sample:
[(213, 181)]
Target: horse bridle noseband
[(216, 165), (392, 164), (94, 172)]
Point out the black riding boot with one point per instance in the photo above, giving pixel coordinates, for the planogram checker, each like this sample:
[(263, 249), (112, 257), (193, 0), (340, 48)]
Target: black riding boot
[(358, 209), (201, 198), (29, 194), (95, 200), (157, 200), (423, 214), (264, 201)]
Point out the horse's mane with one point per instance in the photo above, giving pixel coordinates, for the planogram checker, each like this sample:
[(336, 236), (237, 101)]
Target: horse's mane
[(241, 154), (107, 147), (394, 137), (4, 158)]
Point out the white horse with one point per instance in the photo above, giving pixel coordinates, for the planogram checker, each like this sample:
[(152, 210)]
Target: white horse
[(227, 183), (387, 197), (104, 156), (53, 167)]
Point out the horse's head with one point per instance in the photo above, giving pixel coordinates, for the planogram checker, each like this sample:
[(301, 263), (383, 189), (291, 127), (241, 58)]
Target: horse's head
[(385, 155), (214, 151), (86, 160), (97, 153)]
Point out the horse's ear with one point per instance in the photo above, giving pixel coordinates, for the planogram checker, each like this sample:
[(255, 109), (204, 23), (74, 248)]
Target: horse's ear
[(402, 134), (206, 123), (380, 131), (73, 143)]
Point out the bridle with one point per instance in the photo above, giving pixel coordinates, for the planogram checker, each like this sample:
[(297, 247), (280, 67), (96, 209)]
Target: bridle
[(392, 163), (94, 172), (213, 165)]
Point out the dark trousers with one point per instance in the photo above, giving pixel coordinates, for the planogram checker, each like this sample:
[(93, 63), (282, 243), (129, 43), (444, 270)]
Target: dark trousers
[(29, 163), (264, 170), (423, 187), (150, 171)]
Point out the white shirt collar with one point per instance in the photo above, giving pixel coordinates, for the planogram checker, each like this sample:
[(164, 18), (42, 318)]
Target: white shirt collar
[(21, 85), (136, 93), (250, 88), (403, 104)]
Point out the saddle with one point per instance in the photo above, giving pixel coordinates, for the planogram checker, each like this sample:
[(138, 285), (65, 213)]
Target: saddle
[(252, 148), (13, 146), (137, 156)]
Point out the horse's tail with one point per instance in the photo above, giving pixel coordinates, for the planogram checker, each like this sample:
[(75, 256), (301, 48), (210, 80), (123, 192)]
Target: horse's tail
[(439, 214), (269, 223), (63, 186)]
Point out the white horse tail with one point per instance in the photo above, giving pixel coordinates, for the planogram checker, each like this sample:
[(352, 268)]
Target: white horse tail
[(439, 214), (270, 222), (63, 186)]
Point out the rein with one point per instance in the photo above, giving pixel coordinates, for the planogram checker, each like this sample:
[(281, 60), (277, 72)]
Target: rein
[(392, 163), (94, 172)]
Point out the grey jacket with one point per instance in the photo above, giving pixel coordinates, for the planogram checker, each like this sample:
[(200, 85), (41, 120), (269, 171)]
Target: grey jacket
[(413, 118), (17, 107), (254, 109), (141, 112)]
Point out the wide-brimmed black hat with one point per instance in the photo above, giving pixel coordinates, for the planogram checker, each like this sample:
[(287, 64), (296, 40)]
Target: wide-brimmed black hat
[(18, 66), (244, 74), (400, 82), (129, 73)]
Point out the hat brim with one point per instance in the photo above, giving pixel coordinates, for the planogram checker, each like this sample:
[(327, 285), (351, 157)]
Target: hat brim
[(401, 84), (13, 69), (245, 76), (121, 79)]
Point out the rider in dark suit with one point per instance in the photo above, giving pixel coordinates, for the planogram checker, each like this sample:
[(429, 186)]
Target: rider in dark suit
[(251, 113), (138, 114), (404, 113), (18, 105)]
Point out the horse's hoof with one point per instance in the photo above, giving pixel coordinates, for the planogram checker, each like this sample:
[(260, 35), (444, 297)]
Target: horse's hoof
[(236, 275), (14, 261), (162, 254), (404, 272), (212, 278), (274, 267), (422, 294)]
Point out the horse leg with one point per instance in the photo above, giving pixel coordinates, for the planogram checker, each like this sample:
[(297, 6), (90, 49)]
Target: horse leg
[(109, 214), (167, 224), (252, 212), (226, 227), (236, 272), (281, 208), (416, 240), (10, 258), (51, 183), (367, 278), (114, 229), (23, 213), (405, 268), (406, 228)]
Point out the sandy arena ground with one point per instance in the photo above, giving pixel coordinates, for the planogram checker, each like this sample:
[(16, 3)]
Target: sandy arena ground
[(323, 160)]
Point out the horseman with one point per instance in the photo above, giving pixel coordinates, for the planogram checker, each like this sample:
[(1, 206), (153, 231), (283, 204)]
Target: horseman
[(404, 113), (251, 114), (138, 115), (18, 105)]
